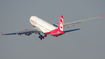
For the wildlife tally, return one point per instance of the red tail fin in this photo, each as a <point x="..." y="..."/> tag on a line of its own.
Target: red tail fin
<point x="60" y="25"/>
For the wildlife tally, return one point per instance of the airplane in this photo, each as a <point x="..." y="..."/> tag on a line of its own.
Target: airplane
<point x="41" y="26"/>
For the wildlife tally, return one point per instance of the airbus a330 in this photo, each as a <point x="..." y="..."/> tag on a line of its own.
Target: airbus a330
<point x="41" y="26"/>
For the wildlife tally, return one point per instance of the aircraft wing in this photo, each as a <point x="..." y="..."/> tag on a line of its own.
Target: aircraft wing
<point x="78" y="22"/>
<point x="26" y="32"/>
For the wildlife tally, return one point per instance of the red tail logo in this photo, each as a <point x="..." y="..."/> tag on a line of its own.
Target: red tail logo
<point x="60" y="25"/>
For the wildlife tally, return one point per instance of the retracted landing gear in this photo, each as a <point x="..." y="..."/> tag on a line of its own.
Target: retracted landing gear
<point x="41" y="37"/>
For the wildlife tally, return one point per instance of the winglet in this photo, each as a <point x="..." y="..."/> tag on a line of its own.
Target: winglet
<point x="101" y="15"/>
<point x="1" y="33"/>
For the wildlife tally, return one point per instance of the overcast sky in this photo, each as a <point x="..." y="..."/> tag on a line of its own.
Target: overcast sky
<point x="87" y="43"/>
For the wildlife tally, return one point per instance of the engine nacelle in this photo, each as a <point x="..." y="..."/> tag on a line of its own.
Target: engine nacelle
<point x="28" y="34"/>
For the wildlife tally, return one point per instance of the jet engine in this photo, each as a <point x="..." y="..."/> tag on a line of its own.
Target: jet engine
<point x="28" y="34"/>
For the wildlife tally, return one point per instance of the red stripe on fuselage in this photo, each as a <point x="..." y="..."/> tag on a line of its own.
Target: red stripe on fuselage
<point x="55" y="32"/>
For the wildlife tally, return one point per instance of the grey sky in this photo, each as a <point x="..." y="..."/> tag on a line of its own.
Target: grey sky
<point x="87" y="43"/>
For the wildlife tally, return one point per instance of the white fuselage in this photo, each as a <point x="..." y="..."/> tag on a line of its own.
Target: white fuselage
<point x="41" y="24"/>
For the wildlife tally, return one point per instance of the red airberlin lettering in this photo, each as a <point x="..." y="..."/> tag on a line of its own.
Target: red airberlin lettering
<point x="33" y="22"/>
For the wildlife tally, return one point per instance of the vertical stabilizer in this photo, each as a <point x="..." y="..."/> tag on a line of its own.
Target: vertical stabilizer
<point x="60" y="25"/>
